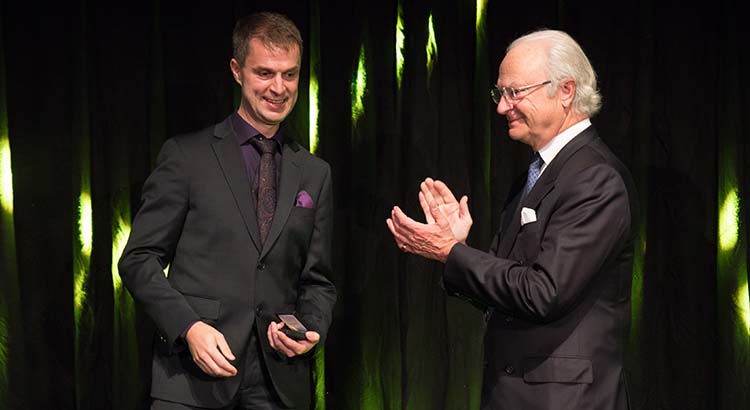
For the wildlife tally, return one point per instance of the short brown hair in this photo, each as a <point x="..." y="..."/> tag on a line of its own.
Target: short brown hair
<point x="273" y="29"/>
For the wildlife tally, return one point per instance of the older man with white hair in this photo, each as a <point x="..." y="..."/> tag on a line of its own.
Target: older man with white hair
<point x="556" y="281"/>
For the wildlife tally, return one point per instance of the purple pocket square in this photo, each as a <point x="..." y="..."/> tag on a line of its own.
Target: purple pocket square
<point x="303" y="200"/>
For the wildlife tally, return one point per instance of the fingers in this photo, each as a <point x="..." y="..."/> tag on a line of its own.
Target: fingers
<point x="219" y="364"/>
<point x="428" y="191"/>
<point x="399" y="221"/>
<point x="394" y="231"/>
<point x="463" y="207"/>
<point x="208" y="348"/>
<point x="436" y="211"/>
<point x="424" y="202"/>
<point x="440" y="218"/>
<point x="397" y="235"/>
<point x="288" y="347"/>
<point x="428" y="186"/>
<point x="224" y="348"/>
<point x="464" y="213"/>
<point x="312" y="337"/>
<point x="400" y="218"/>
<point x="275" y="339"/>
<point x="272" y="328"/>
<point x="407" y="232"/>
<point x="403" y="226"/>
<point x="440" y="190"/>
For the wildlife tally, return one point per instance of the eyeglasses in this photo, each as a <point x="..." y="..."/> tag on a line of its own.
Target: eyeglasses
<point x="512" y="94"/>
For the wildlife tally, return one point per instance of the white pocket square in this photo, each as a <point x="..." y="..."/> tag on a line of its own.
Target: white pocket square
<point x="528" y="215"/>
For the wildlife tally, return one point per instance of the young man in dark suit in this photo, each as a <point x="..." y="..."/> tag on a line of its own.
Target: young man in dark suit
<point x="556" y="281"/>
<point x="243" y="217"/>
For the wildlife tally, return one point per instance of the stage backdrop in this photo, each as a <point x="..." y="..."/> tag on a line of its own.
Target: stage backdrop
<point x="391" y="92"/>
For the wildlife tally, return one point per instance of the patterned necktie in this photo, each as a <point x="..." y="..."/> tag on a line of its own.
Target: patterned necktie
<point x="266" y="184"/>
<point x="535" y="168"/>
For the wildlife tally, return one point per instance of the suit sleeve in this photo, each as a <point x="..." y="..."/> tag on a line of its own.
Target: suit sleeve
<point x="317" y="293"/>
<point x="153" y="238"/>
<point x="589" y="225"/>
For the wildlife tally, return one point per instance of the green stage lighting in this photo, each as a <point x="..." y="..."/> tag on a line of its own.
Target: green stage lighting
<point x="313" y="112"/>
<point x="359" y="87"/>
<point x="729" y="221"/>
<point x="431" y="49"/>
<point x="743" y="305"/>
<point x="481" y="6"/>
<point x="400" y="45"/>
<point x="6" y="175"/>
<point x="120" y="234"/>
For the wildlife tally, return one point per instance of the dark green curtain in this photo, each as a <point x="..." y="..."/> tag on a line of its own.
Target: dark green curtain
<point x="89" y="91"/>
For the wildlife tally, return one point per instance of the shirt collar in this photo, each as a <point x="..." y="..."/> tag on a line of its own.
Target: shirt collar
<point x="243" y="131"/>
<point x="550" y="150"/>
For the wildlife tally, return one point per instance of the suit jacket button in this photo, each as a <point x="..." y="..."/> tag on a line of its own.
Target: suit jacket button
<point x="509" y="369"/>
<point x="261" y="266"/>
<point x="487" y="315"/>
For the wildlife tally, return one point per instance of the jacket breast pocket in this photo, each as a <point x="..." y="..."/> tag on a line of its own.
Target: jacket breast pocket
<point x="300" y="212"/>
<point x="300" y="224"/>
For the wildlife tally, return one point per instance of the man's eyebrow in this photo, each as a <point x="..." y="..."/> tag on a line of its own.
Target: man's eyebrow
<point x="263" y="68"/>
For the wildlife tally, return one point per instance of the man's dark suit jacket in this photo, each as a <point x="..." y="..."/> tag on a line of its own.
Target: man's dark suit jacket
<point x="198" y="217"/>
<point x="557" y="289"/>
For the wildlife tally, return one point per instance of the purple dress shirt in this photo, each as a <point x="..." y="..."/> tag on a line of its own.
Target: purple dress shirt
<point x="244" y="132"/>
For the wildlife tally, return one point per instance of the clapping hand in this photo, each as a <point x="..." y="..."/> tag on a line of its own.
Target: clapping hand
<point x="437" y="199"/>
<point x="448" y="222"/>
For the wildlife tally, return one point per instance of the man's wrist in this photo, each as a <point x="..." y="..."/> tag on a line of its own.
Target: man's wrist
<point x="447" y="250"/>
<point x="183" y="335"/>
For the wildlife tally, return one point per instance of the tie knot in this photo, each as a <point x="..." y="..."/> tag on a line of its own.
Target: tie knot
<point x="265" y="145"/>
<point x="536" y="162"/>
<point x="534" y="170"/>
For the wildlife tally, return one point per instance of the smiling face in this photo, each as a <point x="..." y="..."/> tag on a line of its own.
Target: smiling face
<point x="269" y="79"/>
<point x="534" y="117"/>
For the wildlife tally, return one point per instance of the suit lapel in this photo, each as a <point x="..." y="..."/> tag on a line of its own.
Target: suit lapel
<point x="542" y="187"/>
<point x="288" y="187"/>
<point x="230" y="159"/>
<point x="509" y="210"/>
<point x="540" y="190"/>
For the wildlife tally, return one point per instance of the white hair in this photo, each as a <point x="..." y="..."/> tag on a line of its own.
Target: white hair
<point x="566" y="59"/>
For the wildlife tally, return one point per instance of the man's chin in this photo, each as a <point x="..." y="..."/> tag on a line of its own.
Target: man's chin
<point x="516" y="134"/>
<point x="274" y="117"/>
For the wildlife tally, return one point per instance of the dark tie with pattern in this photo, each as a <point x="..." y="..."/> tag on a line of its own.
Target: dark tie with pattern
<point x="535" y="169"/>
<point x="266" y="184"/>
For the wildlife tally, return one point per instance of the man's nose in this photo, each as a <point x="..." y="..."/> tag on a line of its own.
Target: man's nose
<point x="277" y="85"/>
<point x="504" y="106"/>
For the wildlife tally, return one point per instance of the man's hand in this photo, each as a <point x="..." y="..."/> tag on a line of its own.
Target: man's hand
<point x="436" y="198"/>
<point x="288" y="347"/>
<point x="433" y="240"/>
<point x="210" y="350"/>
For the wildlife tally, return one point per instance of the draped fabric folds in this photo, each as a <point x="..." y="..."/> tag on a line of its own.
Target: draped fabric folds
<point x="90" y="90"/>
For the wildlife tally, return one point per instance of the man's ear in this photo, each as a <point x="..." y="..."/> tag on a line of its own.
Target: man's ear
<point x="567" y="92"/>
<point x="236" y="71"/>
